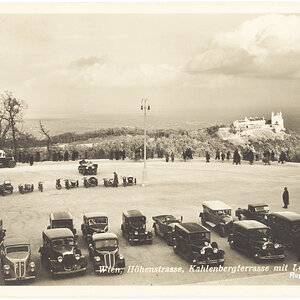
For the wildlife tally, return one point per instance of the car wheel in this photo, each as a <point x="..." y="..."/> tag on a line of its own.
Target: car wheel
<point x="175" y="249"/>
<point x="169" y="240"/>
<point x="256" y="258"/>
<point x="214" y="245"/>
<point x="232" y="244"/>
<point x="53" y="275"/>
<point x="131" y="242"/>
<point x="150" y="242"/>
<point x="221" y="231"/>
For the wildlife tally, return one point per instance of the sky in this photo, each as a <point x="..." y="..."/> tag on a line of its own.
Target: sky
<point x="210" y="64"/>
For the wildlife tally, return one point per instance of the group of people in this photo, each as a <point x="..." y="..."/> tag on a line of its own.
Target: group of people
<point x="168" y="157"/>
<point x="187" y="154"/>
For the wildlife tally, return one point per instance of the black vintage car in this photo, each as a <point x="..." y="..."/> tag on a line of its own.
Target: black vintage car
<point x="2" y="232"/>
<point x="128" y="180"/>
<point x="164" y="225"/>
<point x="6" y="188"/>
<point x="192" y="242"/>
<point x="105" y="255"/>
<point x="255" y="211"/>
<point x="94" y="222"/>
<point x="87" y="167"/>
<point x="60" y="253"/>
<point x="90" y="182"/>
<point x="62" y="219"/>
<point x="134" y="227"/>
<point x="285" y="226"/>
<point x="217" y="215"/>
<point x="26" y="188"/>
<point x="15" y="259"/>
<point x="255" y="240"/>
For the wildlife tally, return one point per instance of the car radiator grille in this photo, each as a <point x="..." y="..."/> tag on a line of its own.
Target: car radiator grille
<point x="68" y="261"/>
<point x="110" y="260"/>
<point x="20" y="269"/>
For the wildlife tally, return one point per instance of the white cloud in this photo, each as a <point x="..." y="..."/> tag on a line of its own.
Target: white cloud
<point x="267" y="46"/>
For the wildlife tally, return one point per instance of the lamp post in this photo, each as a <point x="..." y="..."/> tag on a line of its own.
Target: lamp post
<point x="145" y="106"/>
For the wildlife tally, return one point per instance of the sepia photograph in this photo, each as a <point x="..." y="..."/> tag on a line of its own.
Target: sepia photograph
<point x="152" y="145"/>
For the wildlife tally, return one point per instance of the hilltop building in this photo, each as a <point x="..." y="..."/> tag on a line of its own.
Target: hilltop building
<point x="276" y="123"/>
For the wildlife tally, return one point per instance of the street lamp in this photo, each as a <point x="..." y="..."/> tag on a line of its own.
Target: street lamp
<point x="145" y="106"/>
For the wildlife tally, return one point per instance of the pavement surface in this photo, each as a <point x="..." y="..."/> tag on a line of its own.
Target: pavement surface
<point x="176" y="188"/>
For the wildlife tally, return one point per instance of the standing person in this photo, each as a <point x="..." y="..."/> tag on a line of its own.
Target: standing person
<point x="116" y="180"/>
<point x="286" y="198"/>
<point x="172" y="157"/>
<point x="207" y="156"/>
<point x="228" y="155"/>
<point x="167" y="157"/>
<point x="31" y="159"/>
<point x="251" y="157"/>
<point x="223" y="156"/>
<point x="217" y="154"/>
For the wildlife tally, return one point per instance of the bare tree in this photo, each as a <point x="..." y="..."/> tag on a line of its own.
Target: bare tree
<point x="13" y="109"/>
<point x="48" y="137"/>
<point x="4" y="125"/>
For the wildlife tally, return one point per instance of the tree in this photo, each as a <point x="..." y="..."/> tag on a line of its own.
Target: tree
<point x="13" y="109"/>
<point x="4" y="125"/>
<point x="48" y="137"/>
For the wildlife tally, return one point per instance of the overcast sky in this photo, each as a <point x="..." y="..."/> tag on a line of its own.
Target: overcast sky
<point x="67" y="64"/>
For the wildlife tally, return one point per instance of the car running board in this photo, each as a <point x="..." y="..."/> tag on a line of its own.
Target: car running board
<point x="210" y="224"/>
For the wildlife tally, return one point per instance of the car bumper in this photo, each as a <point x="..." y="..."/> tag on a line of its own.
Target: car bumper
<point x="211" y="262"/>
<point x="13" y="279"/>
<point x="140" y="239"/>
<point x="64" y="272"/>
<point x="272" y="257"/>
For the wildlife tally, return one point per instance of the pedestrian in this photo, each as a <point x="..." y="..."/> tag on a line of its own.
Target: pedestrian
<point x="31" y="159"/>
<point x="172" y="157"/>
<point x="223" y="156"/>
<point x="217" y="154"/>
<point x="116" y="180"/>
<point x="167" y="157"/>
<point x="251" y="157"/>
<point x="228" y="155"/>
<point x="285" y="198"/>
<point x="207" y="156"/>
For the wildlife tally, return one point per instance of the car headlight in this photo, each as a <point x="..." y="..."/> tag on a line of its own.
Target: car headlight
<point x="215" y="250"/>
<point x="276" y="246"/>
<point x="121" y="257"/>
<point x="146" y="232"/>
<point x="77" y="256"/>
<point x="202" y="251"/>
<point x="60" y="259"/>
<point x="97" y="258"/>
<point x="206" y="243"/>
<point x="6" y="268"/>
<point x="264" y="247"/>
<point x="194" y="261"/>
<point x="136" y="232"/>
<point x="32" y="265"/>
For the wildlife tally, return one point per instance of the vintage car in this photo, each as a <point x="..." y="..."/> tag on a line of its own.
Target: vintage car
<point x="256" y="211"/>
<point x="2" y="232"/>
<point x="87" y="167"/>
<point x="94" y="222"/>
<point x="16" y="263"/>
<point x="90" y="182"/>
<point x="71" y="183"/>
<point x="60" y="253"/>
<point x="62" y="219"/>
<point x="128" y="180"/>
<point x="6" y="188"/>
<point x="255" y="240"/>
<point x="105" y="255"/>
<point x="217" y="215"/>
<point x="26" y="188"/>
<point x="285" y="227"/>
<point x="192" y="242"/>
<point x="108" y="182"/>
<point x="134" y="227"/>
<point x="163" y="226"/>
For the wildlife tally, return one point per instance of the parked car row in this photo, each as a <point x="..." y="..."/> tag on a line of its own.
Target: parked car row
<point x="7" y="188"/>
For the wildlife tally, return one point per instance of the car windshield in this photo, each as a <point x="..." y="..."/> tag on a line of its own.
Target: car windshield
<point x="13" y="249"/>
<point x="224" y="212"/>
<point x="259" y="234"/>
<point x="170" y="219"/>
<point x="109" y="244"/>
<point x="262" y="208"/>
<point x="137" y="220"/>
<point x="62" y="223"/>
<point x="6" y="182"/>
<point x="59" y="243"/>
<point x="97" y="220"/>
<point x="200" y="236"/>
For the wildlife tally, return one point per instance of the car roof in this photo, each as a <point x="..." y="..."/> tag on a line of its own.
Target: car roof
<point x="250" y="224"/>
<point x="95" y="214"/>
<point x="258" y="204"/>
<point x="12" y="241"/>
<point x="288" y="215"/>
<point x="61" y="215"/>
<point x="192" y="227"/>
<point x="58" y="233"/>
<point x="133" y="213"/>
<point x="163" y="217"/>
<point x="216" y="205"/>
<point x="104" y="236"/>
